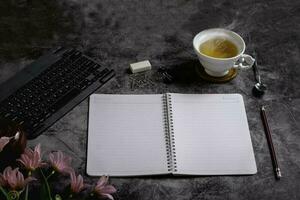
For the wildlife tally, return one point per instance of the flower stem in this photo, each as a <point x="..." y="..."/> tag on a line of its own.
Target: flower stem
<point x="3" y="192"/>
<point x="27" y="187"/>
<point x="26" y="193"/>
<point x="53" y="172"/>
<point x="47" y="184"/>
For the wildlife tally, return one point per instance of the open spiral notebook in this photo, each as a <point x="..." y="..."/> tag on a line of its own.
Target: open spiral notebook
<point x="180" y="134"/>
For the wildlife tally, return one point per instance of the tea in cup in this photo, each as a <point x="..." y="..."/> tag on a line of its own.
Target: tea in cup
<point x="219" y="50"/>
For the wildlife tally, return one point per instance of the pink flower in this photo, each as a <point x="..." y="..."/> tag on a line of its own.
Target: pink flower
<point x="32" y="159"/>
<point x="14" y="179"/>
<point x="103" y="189"/>
<point x="3" y="142"/>
<point x="60" y="162"/>
<point x="76" y="183"/>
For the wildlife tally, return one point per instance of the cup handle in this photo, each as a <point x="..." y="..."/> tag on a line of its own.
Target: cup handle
<point x="244" y="62"/>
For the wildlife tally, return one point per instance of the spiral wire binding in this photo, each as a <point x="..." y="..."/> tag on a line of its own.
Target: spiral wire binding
<point x="170" y="138"/>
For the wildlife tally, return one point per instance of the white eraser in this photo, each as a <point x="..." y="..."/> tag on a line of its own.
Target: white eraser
<point x="140" y="66"/>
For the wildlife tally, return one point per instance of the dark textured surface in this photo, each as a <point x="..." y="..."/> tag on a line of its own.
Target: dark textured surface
<point x="120" y="32"/>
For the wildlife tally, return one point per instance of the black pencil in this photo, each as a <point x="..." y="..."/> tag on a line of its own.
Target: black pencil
<point x="270" y="143"/>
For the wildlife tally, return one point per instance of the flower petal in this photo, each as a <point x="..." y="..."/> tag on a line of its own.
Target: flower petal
<point x="102" y="181"/>
<point x="3" y="142"/>
<point x="29" y="179"/>
<point x="108" y="196"/>
<point x="72" y="176"/>
<point x="31" y="159"/>
<point x="6" y="172"/>
<point x="38" y="149"/>
<point x="80" y="184"/>
<point x="109" y="189"/>
<point x="60" y="162"/>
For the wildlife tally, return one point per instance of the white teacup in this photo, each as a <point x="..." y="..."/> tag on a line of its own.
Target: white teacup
<point x="219" y="67"/>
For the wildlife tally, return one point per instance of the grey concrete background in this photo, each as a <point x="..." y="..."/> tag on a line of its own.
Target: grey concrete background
<point x="119" y="32"/>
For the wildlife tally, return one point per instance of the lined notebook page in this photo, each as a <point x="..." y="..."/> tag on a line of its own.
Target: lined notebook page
<point x="212" y="135"/>
<point x="126" y="135"/>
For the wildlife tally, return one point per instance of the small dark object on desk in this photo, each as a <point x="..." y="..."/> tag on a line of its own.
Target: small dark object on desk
<point x="166" y="76"/>
<point x="259" y="88"/>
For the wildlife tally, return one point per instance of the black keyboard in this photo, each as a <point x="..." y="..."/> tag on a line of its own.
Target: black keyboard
<point x="47" y="89"/>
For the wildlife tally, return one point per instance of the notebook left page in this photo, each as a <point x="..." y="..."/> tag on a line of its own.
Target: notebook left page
<point x="126" y="135"/>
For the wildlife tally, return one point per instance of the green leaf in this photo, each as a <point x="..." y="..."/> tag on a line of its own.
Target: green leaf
<point x="3" y="192"/>
<point x="46" y="186"/>
<point x="44" y="192"/>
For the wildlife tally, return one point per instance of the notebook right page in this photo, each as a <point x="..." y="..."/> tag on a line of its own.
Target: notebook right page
<point x="212" y="135"/>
